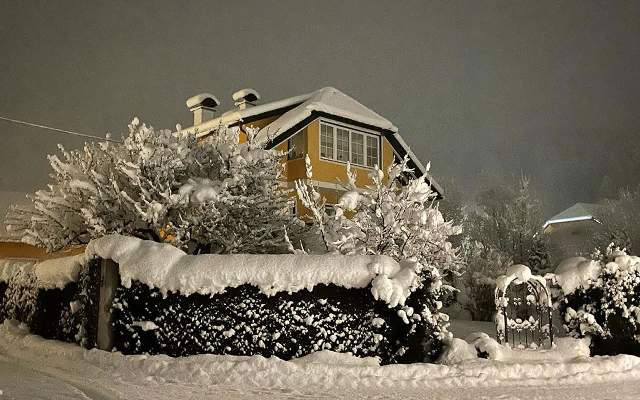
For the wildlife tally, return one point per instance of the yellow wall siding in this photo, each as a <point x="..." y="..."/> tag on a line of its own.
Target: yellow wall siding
<point x="387" y="155"/>
<point x="259" y="124"/>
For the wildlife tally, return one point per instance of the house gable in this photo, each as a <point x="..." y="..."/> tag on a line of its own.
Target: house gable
<point x="279" y="121"/>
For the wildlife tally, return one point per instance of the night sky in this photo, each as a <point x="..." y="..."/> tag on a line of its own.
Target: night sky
<point x="548" y="89"/>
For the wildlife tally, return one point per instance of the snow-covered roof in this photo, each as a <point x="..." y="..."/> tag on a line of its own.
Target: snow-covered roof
<point x="327" y="100"/>
<point x="577" y="212"/>
<point x="296" y="110"/>
<point x="330" y="101"/>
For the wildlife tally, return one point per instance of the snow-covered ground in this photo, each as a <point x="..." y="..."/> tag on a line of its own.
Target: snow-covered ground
<point x="34" y="368"/>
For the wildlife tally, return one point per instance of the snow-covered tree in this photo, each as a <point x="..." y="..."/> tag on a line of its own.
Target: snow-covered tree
<point x="212" y="195"/>
<point x="478" y="283"/>
<point x="510" y="220"/>
<point x="398" y="217"/>
<point x="619" y="219"/>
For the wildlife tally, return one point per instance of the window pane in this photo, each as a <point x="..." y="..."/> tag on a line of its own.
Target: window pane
<point x="342" y="145"/>
<point x="372" y="151"/>
<point x="326" y="141"/>
<point x="297" y="146"/>
<point x="357" y="148"/>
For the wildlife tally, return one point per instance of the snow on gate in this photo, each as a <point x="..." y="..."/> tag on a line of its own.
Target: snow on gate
<point x="524" y="310"/>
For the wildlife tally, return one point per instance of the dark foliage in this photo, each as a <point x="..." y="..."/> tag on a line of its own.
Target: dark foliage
<point x="243" y="321"/>
<point x="614" y="329"/>
<point x="48" y="312"/>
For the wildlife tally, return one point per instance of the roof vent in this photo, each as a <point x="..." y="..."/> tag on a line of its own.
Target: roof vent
<point x="244" y="98"/>
<point x="203" y="106"/>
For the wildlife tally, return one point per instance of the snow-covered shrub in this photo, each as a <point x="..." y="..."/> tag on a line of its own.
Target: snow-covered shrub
<point x="50" y="299"/>
<point x="477" y="284"/>
<point x="245" y="321"/>
<point x="214" y="195"/>
<point x="20" y="295"/>
<point x="602" y="300"/>
<point x="40" y="308"/>
<point x="395" y="216"/>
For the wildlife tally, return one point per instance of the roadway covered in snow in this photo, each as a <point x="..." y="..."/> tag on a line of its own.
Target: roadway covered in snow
<point x="34" y="368"/>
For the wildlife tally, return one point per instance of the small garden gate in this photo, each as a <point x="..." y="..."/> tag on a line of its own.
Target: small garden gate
<point x="524" y="312"/>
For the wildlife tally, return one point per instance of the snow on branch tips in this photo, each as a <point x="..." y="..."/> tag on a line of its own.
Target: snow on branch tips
<point x="395" y="215"/>
<point x="215" y="195"/>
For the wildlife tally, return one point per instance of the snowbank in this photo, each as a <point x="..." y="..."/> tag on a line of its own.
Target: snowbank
<point x="456" y="351"/>
<point x="169" y="269"/>
<point x="564" y="349"/>
<point x="332" y="358"/>
<point x="55" y="273"/>
<point x="248" y="377"/>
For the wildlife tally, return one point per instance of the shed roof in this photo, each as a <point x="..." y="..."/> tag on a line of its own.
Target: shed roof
<point x="577" y="212"/>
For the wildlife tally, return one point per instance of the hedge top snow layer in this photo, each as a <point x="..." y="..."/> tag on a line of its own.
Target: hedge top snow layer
<point x="579" y="273"/>
<point x="49" y="274"/>
<point x="169" y="269"/>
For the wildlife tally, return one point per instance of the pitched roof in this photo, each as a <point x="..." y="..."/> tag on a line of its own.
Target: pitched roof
<point x="330" y="101"/>
<point x="298" y="111"/>
<point x="577" y="212"/>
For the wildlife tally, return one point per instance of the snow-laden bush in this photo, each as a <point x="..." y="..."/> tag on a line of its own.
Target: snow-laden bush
<point x="478" y="283"/>
<point x="602" y="300"/>
<point x="46" y="309"/>
<point x="394" y="216"/>
<point x="214" y="195"/>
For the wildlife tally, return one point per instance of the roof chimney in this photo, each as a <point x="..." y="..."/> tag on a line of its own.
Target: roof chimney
<point x="244" y="98"/>
<point x="203" y="106"/>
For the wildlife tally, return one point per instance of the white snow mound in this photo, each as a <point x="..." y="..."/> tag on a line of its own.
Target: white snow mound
<point x="576" y="272"/>
<point x="49" y="274"/>
<point x="171" y="270"/>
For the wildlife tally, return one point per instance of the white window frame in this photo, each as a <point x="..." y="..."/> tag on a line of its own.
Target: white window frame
<point x="350" y="129"/>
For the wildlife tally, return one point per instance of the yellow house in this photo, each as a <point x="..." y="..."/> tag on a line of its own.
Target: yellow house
<point x="328" y="125"/>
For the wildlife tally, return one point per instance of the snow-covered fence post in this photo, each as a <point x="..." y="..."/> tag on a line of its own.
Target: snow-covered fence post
<point x="109" y="279"/>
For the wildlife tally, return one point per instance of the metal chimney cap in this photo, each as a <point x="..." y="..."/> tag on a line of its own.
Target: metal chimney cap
<point x="248" y="95"/>
<point x="206" y="100"/>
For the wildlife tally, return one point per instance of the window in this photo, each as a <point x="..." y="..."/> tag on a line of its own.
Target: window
<point x="372" y="151"/>
<point x="357" y="148"/>
<point x="297" y="144"/>
<point x="326" y="141"/>
<point x="343" y="144"/>
<point x="330" y="210"/>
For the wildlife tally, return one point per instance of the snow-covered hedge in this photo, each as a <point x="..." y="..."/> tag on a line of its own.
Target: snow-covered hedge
<point x="48" y="297"/>
<point x="173" y="303"/>
<point x="287" y="305"/>
<point x="245" y="321"/>
<point x="602" y="301"/>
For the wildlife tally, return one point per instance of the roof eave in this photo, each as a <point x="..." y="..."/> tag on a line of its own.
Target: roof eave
<point x="397" y="143"/>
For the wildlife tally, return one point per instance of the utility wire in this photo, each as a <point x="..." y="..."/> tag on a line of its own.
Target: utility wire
<point x="16" y="121"/>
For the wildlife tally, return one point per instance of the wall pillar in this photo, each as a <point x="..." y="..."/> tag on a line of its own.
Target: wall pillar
<point x="109" y="281"/>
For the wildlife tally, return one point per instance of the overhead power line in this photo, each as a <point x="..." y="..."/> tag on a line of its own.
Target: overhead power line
<point x="63" y="131"/>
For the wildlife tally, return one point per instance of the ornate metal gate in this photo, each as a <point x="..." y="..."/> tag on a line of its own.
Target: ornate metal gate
<point x="524" y="318"/>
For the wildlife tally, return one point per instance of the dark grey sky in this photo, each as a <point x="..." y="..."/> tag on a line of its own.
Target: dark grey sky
<point x="548" y="88"/>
